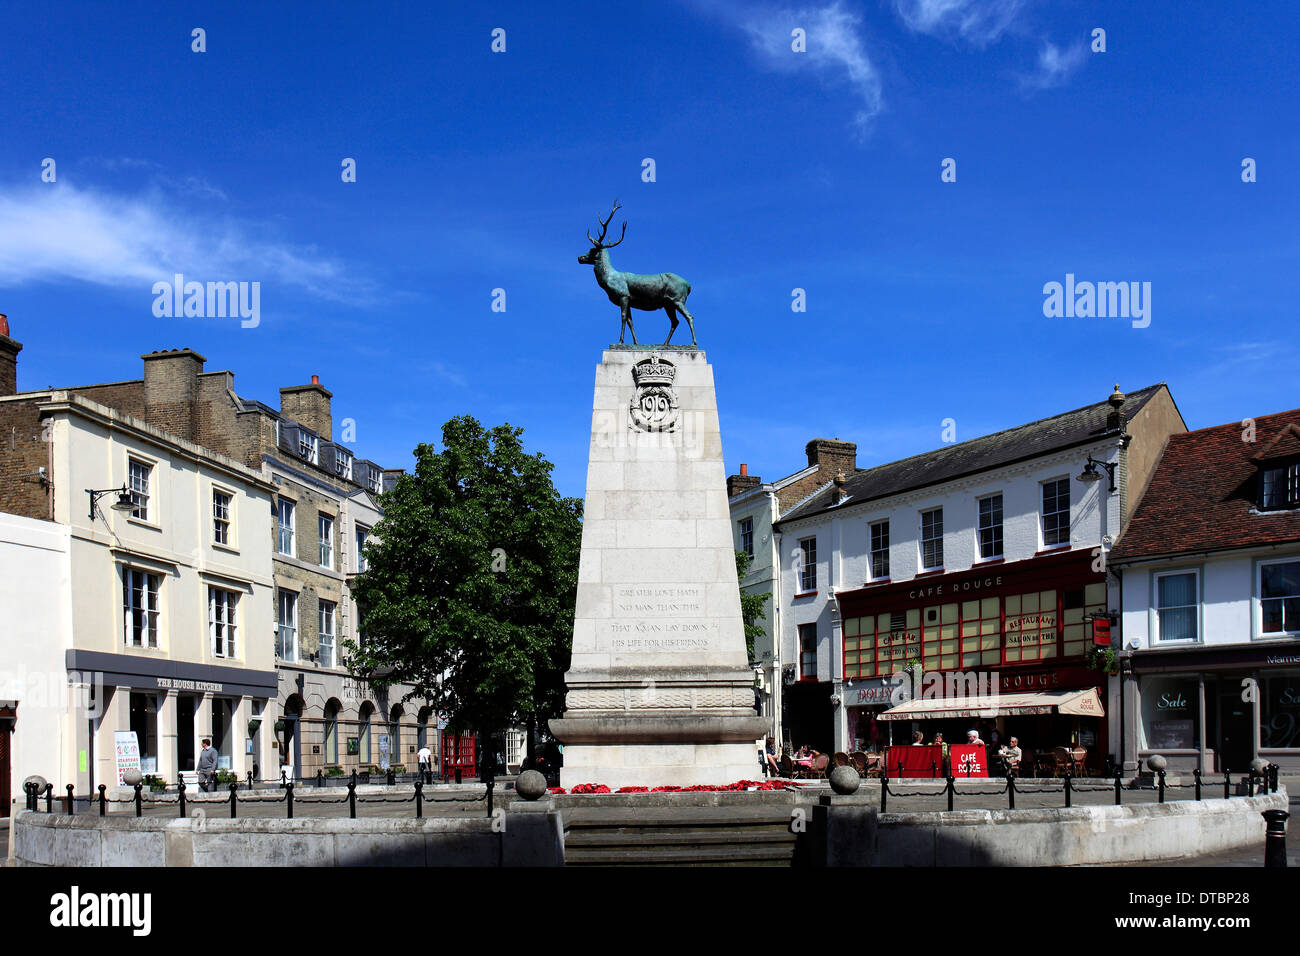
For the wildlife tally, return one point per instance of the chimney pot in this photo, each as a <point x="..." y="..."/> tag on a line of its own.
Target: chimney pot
<point x="744" y="468"/>
<point x="4" y="324"/>
<point x="315" y="379"/>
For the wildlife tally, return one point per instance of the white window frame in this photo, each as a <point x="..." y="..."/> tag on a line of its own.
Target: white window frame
<point x="281" y="514"/>
<point x="1158" y="638"/>
<point x="873" y="551"/>
<point x="286" y="624"/>
<point x="342" y="464"/>
<point x="223" y="622"/>
<point x="375" y="479"/>
<point x="223" y="525"/>
<point x="328" y="614"/>
<point x="308" y="446"/>
<point x="1259" y="599"/>
<point x="936" y="540"/>
<point x="139" y="489"/>
<point x="360" y="537"/>
<point x="811" y="628"/>
<point x="151" y="608"/>
<point x="746" y="530"/>
<point x="1288" y="486"/>
<point x="1043" y="513"/>
<point x="807" y="568"/>
<point x="325" y="532"/>
<point x="1000" y="527"/>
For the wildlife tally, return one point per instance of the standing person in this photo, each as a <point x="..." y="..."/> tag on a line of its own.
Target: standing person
<point x="425" y="759"/>
<point x="207" y="767"/>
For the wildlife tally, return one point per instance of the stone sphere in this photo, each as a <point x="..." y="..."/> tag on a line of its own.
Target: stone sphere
<point x="37" y="779"/>
<point x="530" y="785"/>
<point x="132" y="777"/>
<point x="845" y="780"/>
<point x="1259" y="765"/>
<point x="1156" y="763"/>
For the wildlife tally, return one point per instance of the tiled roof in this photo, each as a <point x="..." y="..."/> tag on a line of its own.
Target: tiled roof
<point x="1077" y="427"/>
<point x="1204" y="494"/>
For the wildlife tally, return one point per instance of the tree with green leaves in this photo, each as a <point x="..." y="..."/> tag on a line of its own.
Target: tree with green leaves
<point x="752" y="606"/>
<point x="470" y="584"/>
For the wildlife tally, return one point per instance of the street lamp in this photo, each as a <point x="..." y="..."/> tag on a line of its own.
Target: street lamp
<point x="123" y="504"/>
<point x="1090" y="474"/>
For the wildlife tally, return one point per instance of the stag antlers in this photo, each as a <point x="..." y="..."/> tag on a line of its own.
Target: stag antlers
<point x="604" y="227"/>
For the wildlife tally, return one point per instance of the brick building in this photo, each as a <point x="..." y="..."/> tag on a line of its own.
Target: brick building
<point x="323" y="505"/>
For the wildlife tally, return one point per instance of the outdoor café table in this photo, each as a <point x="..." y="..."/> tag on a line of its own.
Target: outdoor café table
<point x="923" y="761"/>
<point x="968" y="760"/>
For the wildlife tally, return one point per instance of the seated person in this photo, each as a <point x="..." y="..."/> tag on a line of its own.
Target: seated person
<point x="770" y="755"/>
<point x="938" y="742"/>
<point x="1011" y="754"/>
<point x="918" y="739"/>
<point x="973" y="739"/>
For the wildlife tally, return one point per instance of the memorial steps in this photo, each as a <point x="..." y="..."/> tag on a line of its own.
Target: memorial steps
<point x="686" y="836"/>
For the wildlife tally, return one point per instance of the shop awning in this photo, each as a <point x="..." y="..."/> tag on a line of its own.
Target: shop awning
<point x="1084" y="703"/>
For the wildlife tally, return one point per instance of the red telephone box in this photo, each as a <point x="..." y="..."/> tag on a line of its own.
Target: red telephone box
<point x="456" y="752"/>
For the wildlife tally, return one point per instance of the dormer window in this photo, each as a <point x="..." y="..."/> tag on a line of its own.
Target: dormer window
<point x="343" y="464"/>
<point x="1279" y="485"/>
<point x="309" y="447"/>
<point x="374" y="479"/>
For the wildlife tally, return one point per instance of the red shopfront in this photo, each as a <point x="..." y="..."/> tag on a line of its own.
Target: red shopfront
<point x="1025" y="626"/>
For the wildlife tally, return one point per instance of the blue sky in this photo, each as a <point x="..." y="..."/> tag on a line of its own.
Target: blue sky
<point x="774" y="170"/>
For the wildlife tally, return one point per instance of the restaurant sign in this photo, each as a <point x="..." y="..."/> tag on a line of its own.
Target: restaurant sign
<point x="878" y="691"/>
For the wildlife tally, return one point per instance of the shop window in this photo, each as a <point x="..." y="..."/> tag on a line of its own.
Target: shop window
<point x="1170" y="713"/>
<point x="144" y="723"/>
<point x="1279" y="710"/>
<point x="990" y="527"/>
<point x="1279" y="597"/>
<point x="1176" y="606"/>
<point x="932" y="539"/>
<point x="332" y="733"/>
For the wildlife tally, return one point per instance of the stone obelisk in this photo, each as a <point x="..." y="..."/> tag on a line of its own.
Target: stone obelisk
<point x="659" y="689"/>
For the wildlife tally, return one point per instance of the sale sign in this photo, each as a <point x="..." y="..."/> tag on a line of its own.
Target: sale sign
<point x="968" y="761"/>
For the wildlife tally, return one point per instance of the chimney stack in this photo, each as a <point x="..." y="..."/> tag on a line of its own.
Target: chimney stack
<point x="171" y="390"/>
<point x="9" y="350"/>
<point x="739" y="484"/>
<point x="309" y="406"/>
<point x="832" y="455"/>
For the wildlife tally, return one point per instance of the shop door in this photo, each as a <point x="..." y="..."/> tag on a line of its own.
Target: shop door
<point x="1236" y="746"/>
<point x="185" y="732"/>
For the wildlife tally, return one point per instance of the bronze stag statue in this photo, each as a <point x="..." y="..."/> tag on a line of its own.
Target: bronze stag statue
<point x="628" y="290"/>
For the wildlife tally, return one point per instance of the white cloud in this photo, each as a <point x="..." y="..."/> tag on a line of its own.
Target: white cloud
<point x="1055" y="66"/>
<point x="978" y="22"/>
<point x="835" y="49"/>
<point x="57" y="231"/>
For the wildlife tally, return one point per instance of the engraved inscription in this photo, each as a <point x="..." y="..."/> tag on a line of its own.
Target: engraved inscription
<point x="640" y="600"/>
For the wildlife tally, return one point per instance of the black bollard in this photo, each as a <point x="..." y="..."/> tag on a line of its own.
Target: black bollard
<point x="1273" y="769"/>
<point x="1069" y="792"/>
<point x="1162" y="786"/>
<point x="250" y="780"/>
<point x="934" y="769"/>
<point x="288" y="800"/>
<point x="352" y="797"/>
<point x="180" y="795"/>
<point x="458" y="774"/>
<point x="419" y="799"/>
<point x="1250" y="784"/>
<point x="71" y="808"/>
<point x="354" y="776"/>
<point x="234" y="801"/>
<point x="884" y="790"/>
<point x="30" y="790"/>
<point x="1227" y="794"/>
<point x="103" y="804"/>
<point x="1011" y="790"/>
<point x="1196" y="774"/>
<point x="1119" y="787"/>
<point x="392" y="778"/>
<point x="49" y="798"/>
<point x="320" y="778"/>
<point x="284" y="777"/>
<point x="139" y="808"/>
<point x="951" y="791"/>
<point x="1275" y="838"/>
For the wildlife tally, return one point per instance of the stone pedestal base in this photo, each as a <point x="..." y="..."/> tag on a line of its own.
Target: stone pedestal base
<point x="658" y="751"/>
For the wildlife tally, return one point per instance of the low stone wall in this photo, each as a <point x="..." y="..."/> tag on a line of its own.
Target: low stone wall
<point x="529" y="836"/>
<point x="854" y="833"/>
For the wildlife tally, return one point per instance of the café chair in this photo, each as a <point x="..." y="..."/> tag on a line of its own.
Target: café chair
<point x="859" y="761"/>
<point x="787" y="766"/>
<point x="841" y="758"/>
<point x="819" y="765"/>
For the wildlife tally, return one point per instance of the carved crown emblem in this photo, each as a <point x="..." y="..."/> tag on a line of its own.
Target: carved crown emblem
<point x="654" y="371"/>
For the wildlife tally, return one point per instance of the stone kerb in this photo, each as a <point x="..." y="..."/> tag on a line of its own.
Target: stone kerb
<point x="857" y="834"/>
<point x="532" y="838"/>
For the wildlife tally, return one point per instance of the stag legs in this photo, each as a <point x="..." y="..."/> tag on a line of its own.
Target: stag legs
<point x="672" y="309"/>
<point x="626" y="308"/>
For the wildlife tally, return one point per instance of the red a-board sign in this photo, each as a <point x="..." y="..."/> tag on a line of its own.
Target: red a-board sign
<point x="968" y="760"/>
<point x="1100" y="630"/>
